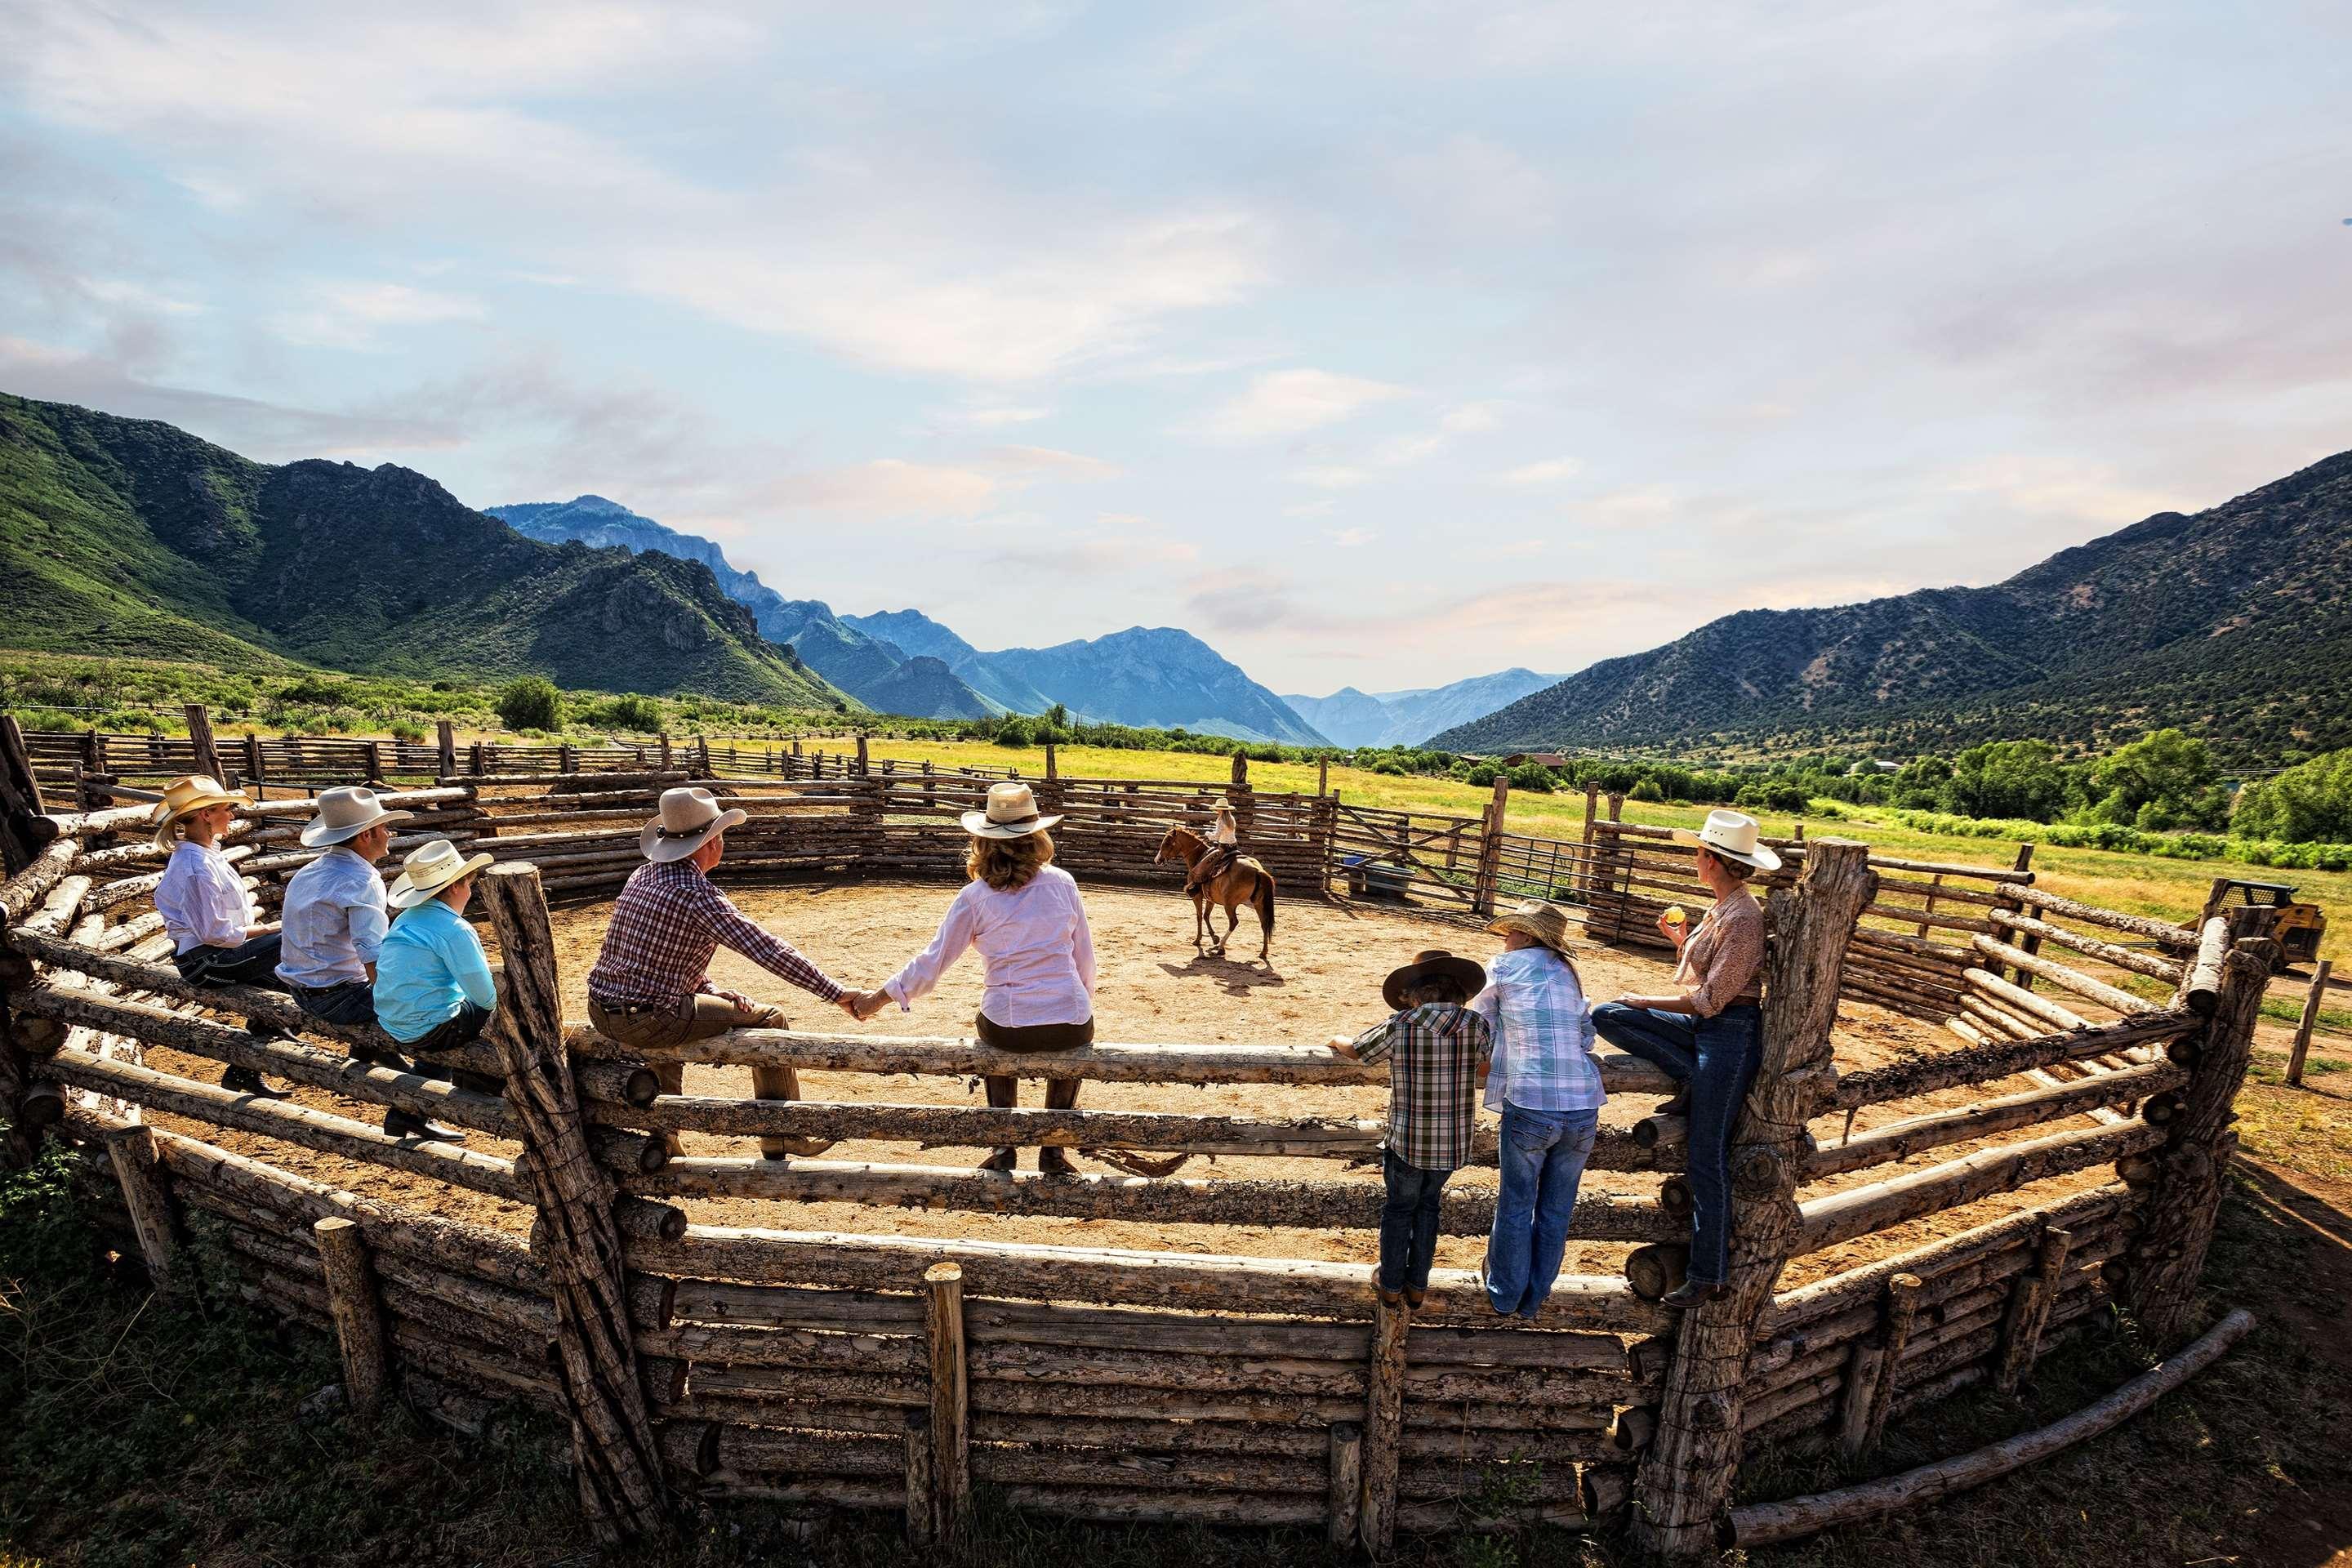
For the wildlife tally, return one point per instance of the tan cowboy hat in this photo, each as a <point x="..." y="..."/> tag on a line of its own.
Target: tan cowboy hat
<point x="1548" y="923"/>
<point x="1732" y="835"/>
<point x="1435" y="962"/>
<point x="192" y="793"/>
<point x="1012" y="814"/>
<point x="429" y="868"/>
<point x="345" y="813"/>
<point x="689" y="819"/>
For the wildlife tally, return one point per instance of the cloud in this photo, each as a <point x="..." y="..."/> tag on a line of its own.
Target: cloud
<point x="119" y="291"/>
<point x="268" y="432"/>
<point x="883" y="488"/>
<point x="1551" y="471"/>
<point x="991" y="418"/>
<point x="1047" y="460"/>
<point x="1119" y="543"/>
<point x="351" y="315"/>
<point x="1243" y="600"/>
<point x="1349" y="537"/>
<point x="1311" y="507"/>
<point x="1291" y="402"/>
<point x="1464" y="418"/>
<point x="1329" y="476"/>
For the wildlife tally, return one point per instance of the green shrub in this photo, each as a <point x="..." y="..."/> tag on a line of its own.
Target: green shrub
<point x="1532" y="776"/>
<point x="1647" y="791"/>
<point x="407" y="730"/>
<point x="529" y="702"/>
<point x="2311" y="801"/>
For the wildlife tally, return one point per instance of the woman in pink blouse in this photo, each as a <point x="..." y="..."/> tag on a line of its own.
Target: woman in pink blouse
<point x="1025" y="915"/>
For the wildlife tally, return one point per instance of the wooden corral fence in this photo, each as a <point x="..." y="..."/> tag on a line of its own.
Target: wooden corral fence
<point x="876" y="1370"/>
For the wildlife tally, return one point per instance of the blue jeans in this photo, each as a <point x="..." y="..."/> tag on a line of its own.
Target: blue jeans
<point x="1542" y="1156"/>
<point x="1408" y="1224"/>
<point x="1717" y="1057"/>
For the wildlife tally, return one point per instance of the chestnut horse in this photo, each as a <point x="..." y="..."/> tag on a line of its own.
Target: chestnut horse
<point x="1243" y="881"/>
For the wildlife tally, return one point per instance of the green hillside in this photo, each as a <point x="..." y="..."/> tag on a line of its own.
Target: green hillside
<point x="2233" y="624"/>
<point x="120" y="536"/>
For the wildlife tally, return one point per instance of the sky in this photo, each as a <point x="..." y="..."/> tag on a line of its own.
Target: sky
<point x="1378" y="344"/>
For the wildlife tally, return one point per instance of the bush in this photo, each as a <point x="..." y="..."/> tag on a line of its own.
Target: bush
<point x="641" y="715"/>
<point x="1648" y="792"/>
<point x="407" y="730"/>
<point x="1534" y="777"/>
<point x="529" y="702"/>
<point x="2310" y="802"/>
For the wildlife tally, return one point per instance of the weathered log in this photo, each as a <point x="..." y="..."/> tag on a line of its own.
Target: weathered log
<point x="138" y="1167"/>
<point x="2029" y="1311"/>
<point x="2178" y="938"/>
<point x="2027" y="1004"/>
<point x="21" y="894"/>
<point x="1900" y="1140"/>
<point x="1103" y="1062"/>
<point x="1344" y="1494"/>
<point x="2200" y="988"/>
<point x="1318" y="1205"/>
<point x="290" y="1060"/>
<point x="286" y="1120"/>
<point x="494" y="1255"/>
<point x="618" y="1461"/>
<point x="1305" y="1288"/>
<point x="2065" y="978"/>
<point x="530" y="1314"/>
<point x="1685" y="1476"/>
<point x="945" y="1354"/>
<point x="1383" y="1422"/>
<point x="1761" y="1524"/>
<point x="1951" y="1069"/>
<point x="350" y="1297"/>
<point x="2197" y="1142"/>
<point x="1860" y="1211"/>
<point x="921" y="1482"/>
<point x="1654" y="1270"/>
<point x="2136" y="959"/>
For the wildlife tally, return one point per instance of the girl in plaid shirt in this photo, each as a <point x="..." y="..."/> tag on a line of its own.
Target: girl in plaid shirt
<point x="1435" y="1048"/>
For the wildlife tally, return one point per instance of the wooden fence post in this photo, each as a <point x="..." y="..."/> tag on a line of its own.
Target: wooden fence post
<point x="861" y="754"/>
<point x="617" y="1458"/>
<point x="1685" y="1481"/>
<point x="567" y="757"/>
<point x="138" y="1166"/>
<point x="664" y="751"/>
<point x="1345" y="1492"/>
<point x="1053" y="767"/>
<point x="1583" y="879"/>
<point x="199" y="735"/>
<point x="445" y="738"/>
<point x="1490" y="848"/>
<point x="919" y="1481"/>
<point x="1323" y="774"/>
<point x="352" y="1302"/>
<point x="1383" y="1428"/>
<point x="2294" y="1059"/>
<point x="2161" y="1279"/>
<point x="376" y="772"/>
<point x="2029" y="1310"/>
<point x="950" y="1412"/>
<point x="20" y="798"/>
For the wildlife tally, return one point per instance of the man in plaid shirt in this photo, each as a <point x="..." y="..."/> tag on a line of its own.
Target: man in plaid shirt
<point x="1434" y="1047"/>
<point x="651" y="986"/>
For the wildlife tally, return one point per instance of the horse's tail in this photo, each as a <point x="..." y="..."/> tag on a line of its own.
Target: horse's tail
<point x="1262" y="900"/>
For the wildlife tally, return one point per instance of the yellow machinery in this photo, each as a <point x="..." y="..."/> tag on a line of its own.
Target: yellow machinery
<point x="2300" y="924"/>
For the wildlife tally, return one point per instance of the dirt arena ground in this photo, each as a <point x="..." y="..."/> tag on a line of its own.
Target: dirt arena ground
<point x="1324" y="978"/>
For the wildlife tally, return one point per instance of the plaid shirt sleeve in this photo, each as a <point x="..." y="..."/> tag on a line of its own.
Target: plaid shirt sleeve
<point x="1377" y="1041"/>
<point x="727" y="926"/>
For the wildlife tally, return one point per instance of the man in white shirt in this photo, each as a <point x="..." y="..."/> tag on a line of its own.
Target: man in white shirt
<point x="335" y="913"/>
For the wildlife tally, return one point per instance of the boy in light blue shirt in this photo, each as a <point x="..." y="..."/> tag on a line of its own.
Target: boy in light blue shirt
<point x="1547" y="1084"/>
<point x="434" y="990"/>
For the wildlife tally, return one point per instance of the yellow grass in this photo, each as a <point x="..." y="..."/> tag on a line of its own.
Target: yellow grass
<point x="2136" y="884"/>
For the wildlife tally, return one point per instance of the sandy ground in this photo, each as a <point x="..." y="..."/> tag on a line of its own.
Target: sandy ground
<point x="1324" y="978"/>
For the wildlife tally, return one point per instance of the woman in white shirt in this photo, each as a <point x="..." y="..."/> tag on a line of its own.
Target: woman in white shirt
<point x="216" y="933"/>
<point x="1026" y="917"/>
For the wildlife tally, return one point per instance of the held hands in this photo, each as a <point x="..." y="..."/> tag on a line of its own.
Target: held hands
<point x="863" y="1005"/>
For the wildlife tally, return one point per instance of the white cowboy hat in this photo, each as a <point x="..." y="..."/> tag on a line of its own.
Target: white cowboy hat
<point x="689" y="819"/>
<point x="429" y="868"/>
<point x="345" y="813"/>
<point x="1012" y="814"/>
<point x="191" y="793"/>
<point x="1732" y="835"/>
<point x="1548" y="923"/>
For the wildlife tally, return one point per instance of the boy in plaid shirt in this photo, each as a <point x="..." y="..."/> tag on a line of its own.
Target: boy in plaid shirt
<point x="1435" y="1048"/>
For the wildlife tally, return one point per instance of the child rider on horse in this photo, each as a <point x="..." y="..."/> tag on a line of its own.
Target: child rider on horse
<point x="1225" y="848"/>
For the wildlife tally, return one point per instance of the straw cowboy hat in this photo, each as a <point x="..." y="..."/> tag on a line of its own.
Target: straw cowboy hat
<point x="1545" y="922"/>
<point x="1012" y="814"/>
<point x="191" y="794"/>
<point x="1732" y="835"/>
<point x="430" y="867"/>
<point x="1434" y="963"/>
<point x="345" y="813"/>
<point x="689" y="819"/>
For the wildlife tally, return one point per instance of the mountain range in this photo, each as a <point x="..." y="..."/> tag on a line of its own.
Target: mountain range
<point x="2235" y="624"/>
<point x="1353" y="717"/>
<point x="904" y="662"/>
<point x="130" y="536"/>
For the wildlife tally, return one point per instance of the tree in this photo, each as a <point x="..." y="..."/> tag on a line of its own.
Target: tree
<point x="2310" y="803"/>
<point x="2008" y="778"/>
<point x="529" y="702"/>
<point x="2160" y="781"/>
<point x="1532" y="776"/>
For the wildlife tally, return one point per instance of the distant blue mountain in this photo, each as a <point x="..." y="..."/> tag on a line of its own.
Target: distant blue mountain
<point x="1353" y="717"/>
